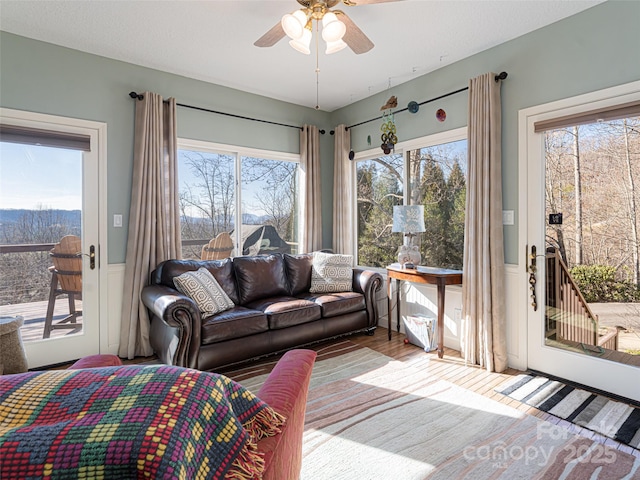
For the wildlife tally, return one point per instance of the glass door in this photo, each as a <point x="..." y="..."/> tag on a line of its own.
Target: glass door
<point x="582" y="252"/>
<point x="49" y="240"/>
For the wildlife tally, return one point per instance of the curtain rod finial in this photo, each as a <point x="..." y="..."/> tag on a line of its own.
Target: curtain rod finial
<point x="501" y="76"/>
<point x="136" y="95"/>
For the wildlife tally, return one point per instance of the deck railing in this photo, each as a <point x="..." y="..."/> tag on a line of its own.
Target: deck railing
<point x="568" y="314"/>
<point x="25" y="277"/>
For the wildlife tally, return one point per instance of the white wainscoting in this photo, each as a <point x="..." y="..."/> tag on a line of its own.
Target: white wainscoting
<point x="419" y="299"/>
<point x="112" y="311"/>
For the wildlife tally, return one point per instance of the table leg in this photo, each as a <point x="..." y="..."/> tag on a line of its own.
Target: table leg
<point x="441" y="290"/>
<point x="389" y="280"/>
<point x="398" y="283"/>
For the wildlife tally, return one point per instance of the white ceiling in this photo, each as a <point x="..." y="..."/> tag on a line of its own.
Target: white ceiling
<point x="213" y="40"/>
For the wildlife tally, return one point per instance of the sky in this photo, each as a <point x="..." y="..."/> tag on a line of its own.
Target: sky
<point x="34" y="177"/>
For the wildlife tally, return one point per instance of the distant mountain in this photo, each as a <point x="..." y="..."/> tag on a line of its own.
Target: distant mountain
<point x="74" y="217"/>
<point x="247" y="219"/>
<point x="70" y="217"/>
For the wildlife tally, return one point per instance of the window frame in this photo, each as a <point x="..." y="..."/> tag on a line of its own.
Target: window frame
<point x="402" y="148"/>
<point x="237" y="153"/>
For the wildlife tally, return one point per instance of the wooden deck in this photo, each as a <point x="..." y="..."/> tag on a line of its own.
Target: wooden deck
<point x="34" y="314"/>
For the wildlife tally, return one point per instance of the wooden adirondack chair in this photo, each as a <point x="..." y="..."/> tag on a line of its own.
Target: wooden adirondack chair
<point x="218" y="248"/>
<point x="66" y="278"/>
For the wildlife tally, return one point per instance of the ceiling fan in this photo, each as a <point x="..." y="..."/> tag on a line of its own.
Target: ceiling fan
<point x="338" y="30"/>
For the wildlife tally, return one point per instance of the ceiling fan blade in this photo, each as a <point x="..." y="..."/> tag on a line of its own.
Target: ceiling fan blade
<point x="354" y="38"/>
<point x="272" y="37"/>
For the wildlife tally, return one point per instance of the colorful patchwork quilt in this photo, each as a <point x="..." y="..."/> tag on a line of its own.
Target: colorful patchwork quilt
<point x="128" y="422"/>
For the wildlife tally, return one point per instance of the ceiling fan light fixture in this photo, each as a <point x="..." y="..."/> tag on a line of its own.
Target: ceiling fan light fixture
<point x="333" y="47"/>
<point x="332" y="28"/>
<point x="293" y="24"/>
<point x="302" y="44"/>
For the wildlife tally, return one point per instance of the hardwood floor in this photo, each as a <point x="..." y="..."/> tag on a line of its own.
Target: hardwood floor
<point x="452" y="368"/>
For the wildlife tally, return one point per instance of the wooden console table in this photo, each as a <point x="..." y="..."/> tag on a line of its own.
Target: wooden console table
<point x="432" y="276"/>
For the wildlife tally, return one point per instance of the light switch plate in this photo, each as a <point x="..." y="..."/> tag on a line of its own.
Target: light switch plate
<point x="508" y="217"/>
<point x="117" y="220"/>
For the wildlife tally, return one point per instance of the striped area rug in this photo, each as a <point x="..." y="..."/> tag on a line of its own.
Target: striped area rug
<point x="371" y="417"/>
<point x="613" y="419"/>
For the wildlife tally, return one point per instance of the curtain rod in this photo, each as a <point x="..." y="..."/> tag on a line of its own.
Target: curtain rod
<point x="500" y="76"/>
<point x="139" y="96"/>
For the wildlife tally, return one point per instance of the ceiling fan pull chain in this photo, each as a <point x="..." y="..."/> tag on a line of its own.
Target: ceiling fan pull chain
<point x="317" y="71"/>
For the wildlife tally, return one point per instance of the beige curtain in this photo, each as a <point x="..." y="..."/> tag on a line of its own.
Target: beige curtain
<point x="311" y="231"/>
<point x="483" y="336"/>
<point x="154" y="220"/>
<point x="343" y="201"/>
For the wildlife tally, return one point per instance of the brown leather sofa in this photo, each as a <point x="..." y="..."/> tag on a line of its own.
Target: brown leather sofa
<point x="274" y="310"/>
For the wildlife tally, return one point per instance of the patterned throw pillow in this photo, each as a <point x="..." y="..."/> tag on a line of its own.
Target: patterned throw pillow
<point x="203" y="289"/>
<point x="331" y="273"/>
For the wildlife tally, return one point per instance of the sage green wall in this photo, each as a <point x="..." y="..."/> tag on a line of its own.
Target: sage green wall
<point x="595" y="49"/>
<point x="45" y="78"/>
<point x="592" y="50"/>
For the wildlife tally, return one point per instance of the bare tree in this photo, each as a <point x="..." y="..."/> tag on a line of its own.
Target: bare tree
<point x="578" y="194"/>
<point x="631" y="204"/>
<point x="277" y="195"/>
<point x="207" y="205"/>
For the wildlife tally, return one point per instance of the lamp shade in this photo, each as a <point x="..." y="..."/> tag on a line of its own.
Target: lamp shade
<point x="408" y="218"/>
<point x="332" y="28"/>
<point x="333" y="47"/>
<point x="302" y="44"/>
<point x="293" y="24"/>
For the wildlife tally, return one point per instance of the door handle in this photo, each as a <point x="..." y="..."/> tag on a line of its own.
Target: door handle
<point x="92" y="257"/>
<point x="533" y="269"/>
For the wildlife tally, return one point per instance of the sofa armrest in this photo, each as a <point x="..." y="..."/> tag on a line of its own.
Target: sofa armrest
<point x="285" y="390"/>
<point x="369" y="284"/>
<point x="175" y="325"/>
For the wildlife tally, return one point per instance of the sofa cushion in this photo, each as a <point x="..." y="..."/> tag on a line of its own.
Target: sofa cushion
<point x="222" y="271"/>
<point x="235" y="323"/>
<point x="298" y="268"/>
<point x="204" y="290"/>
<point x="331" y="273"/>
<point x="260" y="277"/>
<point x="334" y="304"/>
<point x="283" y="312"/>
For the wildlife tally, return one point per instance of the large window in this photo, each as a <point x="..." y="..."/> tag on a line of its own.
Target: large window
<point x="220" y="190"/>
<point x="433" y="175"/>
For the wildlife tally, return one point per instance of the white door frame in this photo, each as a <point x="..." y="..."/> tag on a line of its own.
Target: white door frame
<point x="96" y="160"/>
<point x="602" y="374"/>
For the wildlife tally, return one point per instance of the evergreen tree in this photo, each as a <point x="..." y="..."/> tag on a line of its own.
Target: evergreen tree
<point x="455" y="210"/>
<point x="434" y="194"/>
<point x="380" y="191"/>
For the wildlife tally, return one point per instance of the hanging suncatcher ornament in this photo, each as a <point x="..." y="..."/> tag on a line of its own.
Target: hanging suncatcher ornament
<point x="388" y="128"/>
